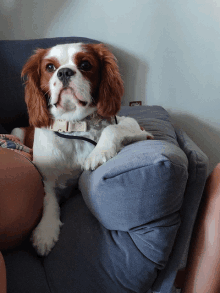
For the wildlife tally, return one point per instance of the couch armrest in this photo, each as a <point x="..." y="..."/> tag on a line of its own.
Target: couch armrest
<point x="140" y="191"/>
<point x="197" y="175"/>
<point x="144" y="182"/>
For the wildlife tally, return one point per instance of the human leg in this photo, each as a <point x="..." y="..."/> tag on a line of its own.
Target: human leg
<point x="2" y="275"/>
<point x="203" y="267"/>
<point x="21" y="198"/>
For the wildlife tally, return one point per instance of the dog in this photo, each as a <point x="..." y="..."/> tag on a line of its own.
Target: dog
<point x="73" y="93"/>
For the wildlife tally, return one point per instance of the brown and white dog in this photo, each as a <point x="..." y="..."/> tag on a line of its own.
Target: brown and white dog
<point x="73" y="89"/>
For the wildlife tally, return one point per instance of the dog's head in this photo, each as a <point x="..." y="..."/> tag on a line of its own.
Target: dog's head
<point x="70" y="82"/>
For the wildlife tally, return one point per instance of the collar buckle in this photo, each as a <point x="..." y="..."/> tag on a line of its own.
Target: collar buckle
<point x="68" y="126"/>
<point x="77" y="126"/>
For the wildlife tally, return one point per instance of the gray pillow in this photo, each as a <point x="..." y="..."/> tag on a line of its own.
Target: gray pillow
<point x="144" y="182"/>
<point x="140" y="191"/>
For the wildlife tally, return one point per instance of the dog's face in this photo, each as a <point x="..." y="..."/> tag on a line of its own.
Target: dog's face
<point x="71" y="77"/>
<point x="70" y="82"/>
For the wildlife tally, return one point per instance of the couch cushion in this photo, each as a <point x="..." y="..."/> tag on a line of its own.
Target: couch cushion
<point x="90" y="258"/>
<point x="154" y="119"/>
<point x="140" y="192"/>
<point x="198" y="170"/>
<point x="25" y="272"/>
<point x="149" y="177"/>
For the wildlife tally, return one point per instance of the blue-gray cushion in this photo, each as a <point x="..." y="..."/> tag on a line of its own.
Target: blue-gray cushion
<point x="140" y="192"/>
<point x="145" y="176"/>
<point x="198" y="171"/>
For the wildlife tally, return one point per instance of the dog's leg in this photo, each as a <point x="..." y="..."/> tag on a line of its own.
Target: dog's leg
<point x="20" y="133"/>
<point x="112" y="139"/>
<point x="46" y="234"/>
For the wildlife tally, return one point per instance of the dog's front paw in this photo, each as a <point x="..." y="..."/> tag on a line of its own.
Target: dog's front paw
<point x="98" y="157"/>
<point x="45" y="236"/>
<point x="148" y="135"/>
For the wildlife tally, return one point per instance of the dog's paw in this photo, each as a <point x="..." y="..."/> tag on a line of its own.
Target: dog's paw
<point x="148" y="135"/>
<point x="140" y="136"/>
<point x="98" y="157"/>
<point x="45" y="236"/>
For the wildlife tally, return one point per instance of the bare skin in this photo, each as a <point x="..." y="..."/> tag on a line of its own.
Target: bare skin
<point x="203" y="268"/>
<point x="21" y="202"/>
<point x="2" y="275"/>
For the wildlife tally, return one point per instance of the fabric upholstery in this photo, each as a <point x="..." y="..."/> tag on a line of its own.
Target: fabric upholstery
<point x="198" y="172"/>
<point x="145" y="167"/>
<point x="2" y="130"/>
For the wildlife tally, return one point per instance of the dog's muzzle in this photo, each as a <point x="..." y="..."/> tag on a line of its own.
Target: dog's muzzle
<point x="64" y="75"/>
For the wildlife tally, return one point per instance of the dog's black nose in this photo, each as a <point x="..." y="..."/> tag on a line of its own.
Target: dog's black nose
<point x="64" y="74"/>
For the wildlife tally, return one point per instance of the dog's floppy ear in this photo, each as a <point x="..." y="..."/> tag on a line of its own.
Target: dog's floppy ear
<point x="34" y="97"/>
<point x="111" y="87"/>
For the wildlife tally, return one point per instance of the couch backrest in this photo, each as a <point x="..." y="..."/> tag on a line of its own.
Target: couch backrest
<point x="13" y="55"/>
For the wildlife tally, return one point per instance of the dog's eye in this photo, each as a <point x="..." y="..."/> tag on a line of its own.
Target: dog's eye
<point x="50" y="67"/>
<point x="85" y="65"/>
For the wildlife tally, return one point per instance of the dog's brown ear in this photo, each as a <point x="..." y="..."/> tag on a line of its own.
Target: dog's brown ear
<point x="111" y="87"/>
<point x="34" y="97"/>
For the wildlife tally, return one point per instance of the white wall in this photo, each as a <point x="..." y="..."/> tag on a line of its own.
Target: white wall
<point x="168" y="51"/>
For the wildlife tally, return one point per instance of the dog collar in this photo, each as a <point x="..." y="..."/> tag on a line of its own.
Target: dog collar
<point x="68" y="126"/>
<point x="61" y="125"/>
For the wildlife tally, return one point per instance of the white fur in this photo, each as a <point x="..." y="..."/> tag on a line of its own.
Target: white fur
<point x="60" y="160"/>
<point x="80" y="86"/>
<point x="19" y="132"/>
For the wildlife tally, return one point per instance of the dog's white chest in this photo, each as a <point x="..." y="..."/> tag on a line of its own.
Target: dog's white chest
<point x="57" y="157"/>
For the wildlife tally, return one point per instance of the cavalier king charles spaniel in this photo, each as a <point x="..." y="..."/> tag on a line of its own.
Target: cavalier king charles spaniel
<point x="73" y="92"/>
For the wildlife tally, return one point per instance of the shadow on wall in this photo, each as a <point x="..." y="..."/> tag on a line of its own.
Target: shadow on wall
<point x="134" y="74"/>
<point x="206" y="136"/>
<point x="29" y="19"/>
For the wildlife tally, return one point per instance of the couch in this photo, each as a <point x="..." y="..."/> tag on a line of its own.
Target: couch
<point x="128" y="225"/>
